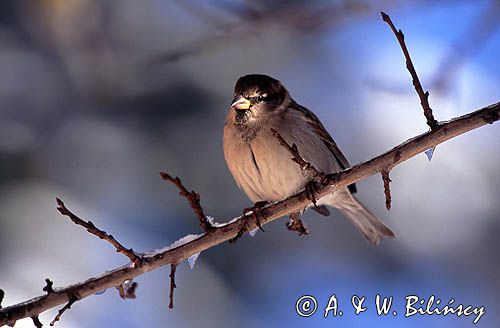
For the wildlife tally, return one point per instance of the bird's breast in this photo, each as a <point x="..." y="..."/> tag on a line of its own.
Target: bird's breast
<point x="261" y="166"/>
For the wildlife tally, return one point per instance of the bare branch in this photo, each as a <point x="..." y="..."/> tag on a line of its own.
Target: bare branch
<point x="203" y="15"/>
<point x="387" y="189"/>
<point x="173" y="267"/>
<point x="424" y="96"/>
<point x="193" y="199"/>
<point x="134" y="258"/>
<point x="251" y="22"/>
<point x="293" y="204"/>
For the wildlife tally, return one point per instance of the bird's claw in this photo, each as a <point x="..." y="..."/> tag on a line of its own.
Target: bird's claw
<point x="240" y="233"/>
<point x="256" y="210"/>
<point x="296" y="224"/>
<point x="311" y="189"/>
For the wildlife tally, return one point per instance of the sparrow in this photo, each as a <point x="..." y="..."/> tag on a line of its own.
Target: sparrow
<point x="264" y="169"/>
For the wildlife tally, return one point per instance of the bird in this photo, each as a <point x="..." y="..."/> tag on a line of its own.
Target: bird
<point x="263" y="168"/>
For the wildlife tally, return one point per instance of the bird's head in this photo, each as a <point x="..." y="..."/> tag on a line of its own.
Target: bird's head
<point x="255" y="96"/>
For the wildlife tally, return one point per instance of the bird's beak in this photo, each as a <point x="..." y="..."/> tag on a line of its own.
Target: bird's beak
<point x="241" y="103"/>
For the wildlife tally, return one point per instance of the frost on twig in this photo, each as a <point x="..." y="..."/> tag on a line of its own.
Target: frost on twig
<point x="192" y="260"/>
<point x="193" y="199"/>
<point x="253" y="232"/>
<point x="128" y="252"/>
<point x="181" y="241"/>
<point x="424" y="96"/>
<point x="429" y="153"/>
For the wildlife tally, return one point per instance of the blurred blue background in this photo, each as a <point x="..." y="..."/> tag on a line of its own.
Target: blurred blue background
<point x="96" y="97"/>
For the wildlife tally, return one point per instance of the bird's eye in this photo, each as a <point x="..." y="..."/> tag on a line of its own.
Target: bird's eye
<point x="261" y="98"/>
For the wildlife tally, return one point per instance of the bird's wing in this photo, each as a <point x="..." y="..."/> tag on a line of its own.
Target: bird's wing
<point x="320" y="130"/>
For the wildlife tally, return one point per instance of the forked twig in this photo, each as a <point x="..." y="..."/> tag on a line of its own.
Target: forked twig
<point x="424" y="96"/>
<point x="193" y="199"/>
<point x="128" y="252"/>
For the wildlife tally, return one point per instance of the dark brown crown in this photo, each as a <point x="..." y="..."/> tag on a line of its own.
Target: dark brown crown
<point x="258" y="83"/>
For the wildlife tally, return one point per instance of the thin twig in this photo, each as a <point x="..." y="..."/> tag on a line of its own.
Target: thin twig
<point x="387" y="188"/>
<point x="202" y="14"/>
<point x="391" y="158"/>
<point x="128" y="252"/>
<point x="193" y="199"/>
<point x="36" y="321"/>
<point x="72" y="299"/>
<point x="424" y="96"/>
<point x="173" y="268"/>
<point x="253" y="21"/>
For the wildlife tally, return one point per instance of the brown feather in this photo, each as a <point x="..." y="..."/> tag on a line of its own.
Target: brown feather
<point x="320" y="130"/>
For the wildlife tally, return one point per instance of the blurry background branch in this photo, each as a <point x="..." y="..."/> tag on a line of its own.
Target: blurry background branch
<point x="469" y="43"/>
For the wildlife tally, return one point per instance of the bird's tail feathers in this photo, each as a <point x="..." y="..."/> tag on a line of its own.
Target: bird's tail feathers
<point x="368" y="224"/>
